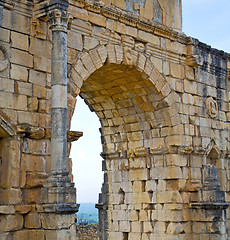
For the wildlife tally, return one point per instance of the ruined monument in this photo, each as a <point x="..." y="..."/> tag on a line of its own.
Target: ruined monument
<point x="163" y="102"/>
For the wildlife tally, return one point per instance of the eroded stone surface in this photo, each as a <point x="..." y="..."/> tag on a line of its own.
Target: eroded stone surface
<point x="162" y="100"/>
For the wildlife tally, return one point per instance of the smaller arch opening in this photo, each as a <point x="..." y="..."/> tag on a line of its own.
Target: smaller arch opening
<point x="122" y="196"/>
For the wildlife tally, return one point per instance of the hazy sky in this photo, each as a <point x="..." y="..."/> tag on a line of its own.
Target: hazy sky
<point x="207" y="20"/>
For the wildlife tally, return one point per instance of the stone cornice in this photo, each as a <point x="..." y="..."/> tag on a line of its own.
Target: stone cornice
<point x="7" y="3"/>
<point x="23" y="7"/>
<point x="162" y="150"/>
<point x="195" y="46"/>
<point x="42" y="9"/>
<point x="132" y="19"/>
<point x="197" y="57"/>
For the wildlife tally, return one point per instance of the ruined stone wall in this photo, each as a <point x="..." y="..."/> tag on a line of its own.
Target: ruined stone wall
<point x="162" y="100"/>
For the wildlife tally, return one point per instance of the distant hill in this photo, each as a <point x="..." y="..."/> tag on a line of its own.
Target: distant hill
<point x="87" y="213"/>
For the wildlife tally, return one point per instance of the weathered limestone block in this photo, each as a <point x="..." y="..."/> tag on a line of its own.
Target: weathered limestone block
<point x="36" y="147"/>
<point x="75" y="41"/>
<point x="7" y="210"/>
<point x="61" y="234"/>
<point x="42" y="64"/>
<point x="55" y="221"/>
<point x="169" y="197"/>
<point x="32" y="104"/>
<point x="147" y="227"/>
<point x="90" y="43"/>
<point x="17" y="102"/>
<point x="128" y="71"/>
<point x="21" y="58"/>
<point x="124" y="226"/>
<point x="40" y="92"/>
<point x="5" y="35"/>
<point x="35" y="179"/>
<point x="40" y="47"/>
<point x="29" y="234"/>
<point x="136" y="226"/>
<point x="32" y="196"/>
<point x="23" y="209"/>
<point x="175" y="228"/>
<point x="11" y="222"/>
<point x="10" y="165"/>
<point x="19" y="41"/>
<point x="16" y="21"/>
<point x="32" y="220"/>
<point x="139" y="174"/>
<point x="33" y="163"/>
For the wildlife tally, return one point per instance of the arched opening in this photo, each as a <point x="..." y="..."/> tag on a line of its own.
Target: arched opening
<point x="138" y="114"/>
<point x="132" y="113"/>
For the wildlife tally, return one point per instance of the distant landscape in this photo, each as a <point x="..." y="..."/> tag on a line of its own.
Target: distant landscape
<point x="87" y="214"/>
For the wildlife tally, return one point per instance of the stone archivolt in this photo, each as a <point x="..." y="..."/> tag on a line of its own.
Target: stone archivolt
<point x="162" y="100"/>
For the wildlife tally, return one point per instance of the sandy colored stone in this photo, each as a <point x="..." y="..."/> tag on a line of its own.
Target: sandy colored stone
<point x="29" y="234"/>
<point x="35" y="179"/>
<point x="33" y="104"/>
<point x="177" y="70"/>
<point x="23" y="209"/>
<point x="5" y="35"/>
<point x="148" y="37"/>
<point x="32" y="220"/>
<point x="97" y="19"/>
<point x="37" y="77"/>
<point x="11" y="222"/>
<point x="21" y="58"/>
<point x="10" y="195"/>
<point x="148" y="84"/>
<point x="90" y="43"/>
<point x="17" y="102"/>
<point x="52" y="221"/>
<point x="40" y="47"/>
<point x="7" y="209"/>
<point x="75" y="41"/>
<point x="39" y="91"/>
<point x="42" y="64"/>
<point x="19" y="41"/>
<point x="7" y="85"/>
<point x="23" y="88"/>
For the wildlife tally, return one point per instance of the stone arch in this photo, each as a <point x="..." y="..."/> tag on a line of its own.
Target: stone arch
<point x="138" y="112"/>
<point x="89" y="62"/>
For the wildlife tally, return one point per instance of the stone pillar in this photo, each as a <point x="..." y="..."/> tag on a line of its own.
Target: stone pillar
<point x="59" y="194"/>
<point x="58" y="23"/>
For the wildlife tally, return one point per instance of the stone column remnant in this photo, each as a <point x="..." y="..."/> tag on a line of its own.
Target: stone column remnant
<point x="58" y="23"/>
<point x="58" y="192"/>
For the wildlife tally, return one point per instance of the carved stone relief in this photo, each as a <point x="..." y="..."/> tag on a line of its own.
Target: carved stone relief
<point x="3" y="59"/>
<point x="127" y="56"/>
<point x="211" y="107"/>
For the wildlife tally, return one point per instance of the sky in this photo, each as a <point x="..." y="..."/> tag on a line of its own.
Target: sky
<point x="207" y="20"/>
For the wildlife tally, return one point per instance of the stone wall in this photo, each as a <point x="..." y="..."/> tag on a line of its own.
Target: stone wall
<point x="163" y="102"/>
